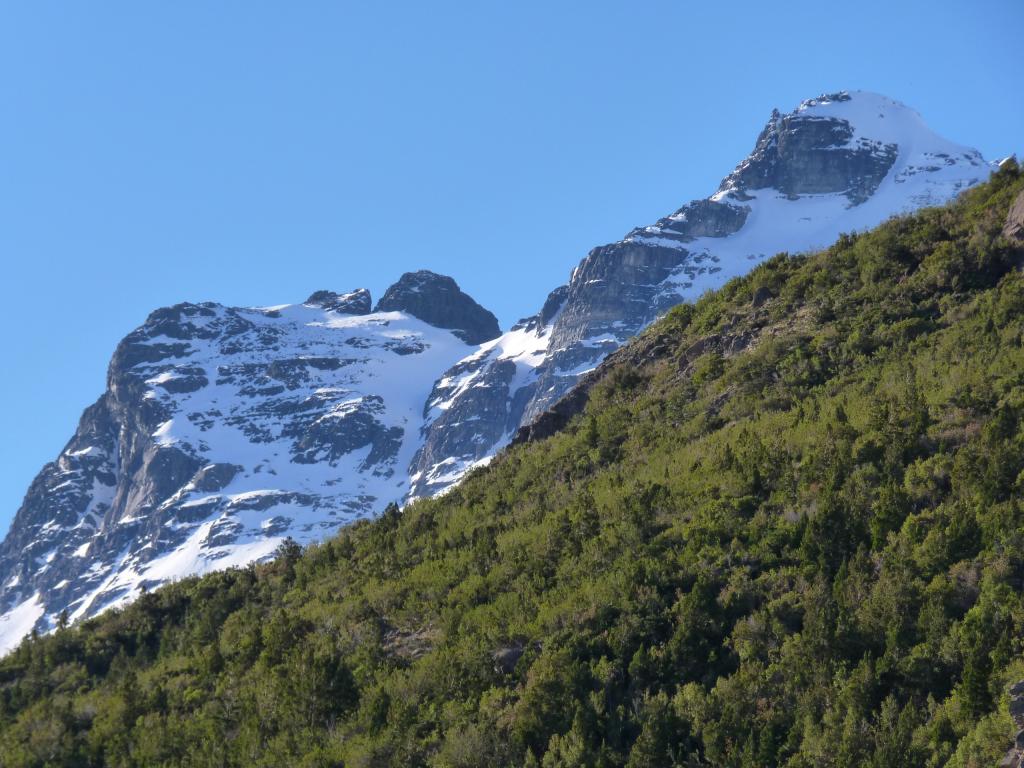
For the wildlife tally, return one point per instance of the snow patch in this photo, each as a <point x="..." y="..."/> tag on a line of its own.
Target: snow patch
<point x="18" y="622"/>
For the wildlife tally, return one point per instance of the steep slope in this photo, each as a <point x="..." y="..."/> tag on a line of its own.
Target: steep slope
<point x="223" y="431"/>
<point x="839" y="163"/>
<point x="785" y="530"/>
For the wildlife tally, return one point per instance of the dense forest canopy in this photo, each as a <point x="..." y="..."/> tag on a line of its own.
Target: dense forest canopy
<point x="786" y="529"/>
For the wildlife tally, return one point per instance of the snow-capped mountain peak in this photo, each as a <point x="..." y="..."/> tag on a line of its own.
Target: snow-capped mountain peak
<point x="874" y="117"/>
<point x="841" y="162"/>
<point x="224" y="430"/>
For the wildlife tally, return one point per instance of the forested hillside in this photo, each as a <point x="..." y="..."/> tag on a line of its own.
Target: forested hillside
<point x="787" y="529"/>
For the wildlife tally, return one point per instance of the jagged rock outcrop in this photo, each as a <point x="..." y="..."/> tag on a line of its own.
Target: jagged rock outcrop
<point x="223" y="431"/>
<point x="838" y="163"/>
<point x="1014" y="226"/>
<point x="356" y="302"/>
<point x="438" y="300"/>
<point x="803" y="153"/>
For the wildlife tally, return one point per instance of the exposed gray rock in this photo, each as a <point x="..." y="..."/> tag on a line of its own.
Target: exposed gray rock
<point x="506" y="657"/>
<point x="462" y="434"/>
<point x="438" y="300"/>
<point x="1014" y="757"/>
<point x="215" y="477"/>
<point x="700" y="218"/>
<point x="801" y="154"/>
<point x="353" y="426"/>
<point x="1014" y="227"/>
<point x="620" y="288"/>
<point x="356" y="302"/>
<point x="408" y="645"/>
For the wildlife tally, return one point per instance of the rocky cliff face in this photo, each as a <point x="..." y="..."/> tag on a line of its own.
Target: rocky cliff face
<point x="225" y="430"/>
<point x="1013" y="229"/>
<point x="438" y="300"/>
<point x="806" y="153"/>
<point x="838" y="163"/>
<point x="356" y="302"/>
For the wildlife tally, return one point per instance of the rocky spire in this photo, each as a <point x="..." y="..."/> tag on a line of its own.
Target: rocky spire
<point x="438" y="300"/>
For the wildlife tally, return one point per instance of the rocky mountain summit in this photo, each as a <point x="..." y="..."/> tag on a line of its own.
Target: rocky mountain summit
<point x="357" y="302"/>
<point x="438" y="300"/>
<point x="225" y="430"/>
<point x="838" y="163"/>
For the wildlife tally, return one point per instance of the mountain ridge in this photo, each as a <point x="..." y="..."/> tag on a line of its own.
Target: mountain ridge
<point x="322" y="420"/>
<point x="785" y="528"/>
<point x="756" y="212"/>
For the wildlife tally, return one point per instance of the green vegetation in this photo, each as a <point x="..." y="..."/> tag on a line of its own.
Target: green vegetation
<point x="787" y="531"/>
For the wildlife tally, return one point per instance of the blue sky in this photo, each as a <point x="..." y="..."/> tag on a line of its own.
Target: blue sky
<point x="253" y="152"/>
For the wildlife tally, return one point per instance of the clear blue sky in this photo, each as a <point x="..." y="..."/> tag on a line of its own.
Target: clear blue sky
<point x="253" y="152"/>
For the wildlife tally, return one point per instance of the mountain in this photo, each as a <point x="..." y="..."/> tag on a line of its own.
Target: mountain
<point x="784" y="527"/>
<point x="842" y="162"/>
<point x="224" y="430"/>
